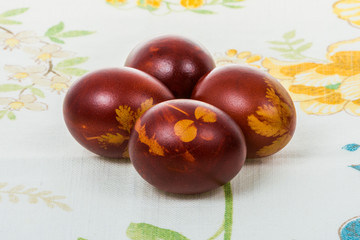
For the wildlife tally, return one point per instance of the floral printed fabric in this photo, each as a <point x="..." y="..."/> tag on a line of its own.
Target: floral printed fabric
<point x="47" y="180"/>
<point x="164" y="7"/>
<point x="26" y="82"/>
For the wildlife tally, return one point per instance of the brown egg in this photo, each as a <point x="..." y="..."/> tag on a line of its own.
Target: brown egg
<point x="186" y="146"/>
<point x="176" y="61"/>
<point x="101" y="108"/>
<point x="256" y="101"/>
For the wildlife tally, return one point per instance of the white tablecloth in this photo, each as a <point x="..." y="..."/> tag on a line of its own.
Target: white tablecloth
<point x="52" y="188"/>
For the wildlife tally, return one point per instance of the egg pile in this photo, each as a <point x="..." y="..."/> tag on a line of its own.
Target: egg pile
<point x="186" y="125"/>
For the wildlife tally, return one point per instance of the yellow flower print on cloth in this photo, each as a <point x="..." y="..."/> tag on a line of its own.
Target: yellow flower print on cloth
<point x="232" y="56"/>
<point x="24" y="101"/>
<point x="10" y="40"/>
<point x="21" y="74"/>
<point x="164" y="7"/>
<point x="149" y="3"/>
<point x="116" y="1"/>
<point x="348" y="10"/>
<point x="191" y="3"/>
<point x="323" y="88"/>
<point x="48" y="52"/>
<point x="59" y="83"/>
<point x="51" y="67"/>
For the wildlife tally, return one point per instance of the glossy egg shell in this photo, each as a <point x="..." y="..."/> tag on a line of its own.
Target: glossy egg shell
<point x="176" y="61"/>
<point x="259" y="104"/>
<point x="101" y="108"/>
<point x="186" y="146"/>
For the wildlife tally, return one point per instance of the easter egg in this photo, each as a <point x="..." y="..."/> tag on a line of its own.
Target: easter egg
<point x="186" y="146"/>
<point x="258" y="103"/>
<point x="176" y="61"/>
<point x="101" y="108"/>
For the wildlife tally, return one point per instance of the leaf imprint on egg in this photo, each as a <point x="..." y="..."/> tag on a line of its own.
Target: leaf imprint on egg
<point x="272" y="120"/>
<point x="154" y="147"/>
<point x="204" y="114"/>
<point x="185" y="130"/>
<point x="126" y="118"/>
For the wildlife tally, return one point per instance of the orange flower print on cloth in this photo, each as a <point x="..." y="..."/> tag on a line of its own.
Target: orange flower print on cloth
<point x="348" y="10"/>
<point x="323" y="88"/>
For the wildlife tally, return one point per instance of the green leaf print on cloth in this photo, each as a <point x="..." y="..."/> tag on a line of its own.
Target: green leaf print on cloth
<point x="4" y="17"/>
<point x="144" y="231"/>
<point x="56" y="33"/>
<point x="291" y="47"/>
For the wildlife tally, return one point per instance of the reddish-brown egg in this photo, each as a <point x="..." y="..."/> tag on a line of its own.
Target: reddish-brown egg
<point x="186" y="146"/>
<point x="176" y="61"/>
<point x="101" y="108"/>
<point x="258" y="103"/>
